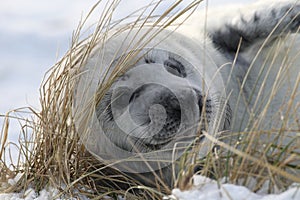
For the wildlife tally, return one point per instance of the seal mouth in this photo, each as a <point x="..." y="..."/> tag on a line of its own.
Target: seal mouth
<point x="155" y="147"/>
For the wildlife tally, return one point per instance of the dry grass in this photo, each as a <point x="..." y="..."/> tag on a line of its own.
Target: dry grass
<point x="51" y="152"/>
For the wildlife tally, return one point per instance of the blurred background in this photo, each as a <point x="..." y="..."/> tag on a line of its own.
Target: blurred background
<point x="35" y="34"/>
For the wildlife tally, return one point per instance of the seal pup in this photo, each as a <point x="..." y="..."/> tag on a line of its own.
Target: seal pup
<point x="168" y="85"/>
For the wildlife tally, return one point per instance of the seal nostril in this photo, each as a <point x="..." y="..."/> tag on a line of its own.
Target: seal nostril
<point x="136" y="94"/>
<point x="132" y="97"/>
<point x="200" y="100"/>
<point x="200" y="104"/>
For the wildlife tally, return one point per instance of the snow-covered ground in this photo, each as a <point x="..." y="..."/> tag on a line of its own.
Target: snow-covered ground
<point x="34" y="35"/>
<point x="204" y="189"/>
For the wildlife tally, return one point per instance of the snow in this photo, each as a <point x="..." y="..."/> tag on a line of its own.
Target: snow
<point x="28" y="195"/>
<point x="207" y="189"/>
<point x="15" y="180"/>
<point x="231" y="192"/>
<point x="203" y="189"/>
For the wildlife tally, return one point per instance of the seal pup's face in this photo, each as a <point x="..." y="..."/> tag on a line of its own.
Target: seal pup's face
<point x="161" y="97"/>
<point x="156" y="102"/>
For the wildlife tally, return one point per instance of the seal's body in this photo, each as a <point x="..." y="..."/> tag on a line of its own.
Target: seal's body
<point x="237" y="71"/>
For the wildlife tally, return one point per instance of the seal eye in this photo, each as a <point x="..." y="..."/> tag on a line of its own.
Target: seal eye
<point x="175" y="67"/>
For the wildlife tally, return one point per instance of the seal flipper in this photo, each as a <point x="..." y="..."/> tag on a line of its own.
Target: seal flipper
<point x="264" y="19"/>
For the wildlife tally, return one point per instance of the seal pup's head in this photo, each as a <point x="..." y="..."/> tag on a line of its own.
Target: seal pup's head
<point x="141" y="107"/>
